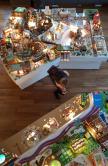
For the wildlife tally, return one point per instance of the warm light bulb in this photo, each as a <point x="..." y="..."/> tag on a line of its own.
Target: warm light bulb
<point x="31" y="24"/>
<point x="33" y="133"/>
<point x="73" y="28"/>
<point x="49" y="36"/>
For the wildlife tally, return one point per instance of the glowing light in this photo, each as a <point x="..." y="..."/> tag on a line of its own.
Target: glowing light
<point x="8" y="30"/>
<point x="49" y="36"/>
<point x="21" y="72"/>
<point x="55" y="163"/>
<point x="2" y="158"/>
<point x="84" y="33"/>
<point x="12" y="17"/>
<point x="97" y="15"/>
<point x="31" y="24"/>
<point x="32" y="134"/>
<point x="45" y="50"/>
<point x="71" y="115"/>
<point x="73" y="28"/>
<point x="17" y="36"/>
<point x="46" y="126"/>
<point x="68" y="42"/>
<point x="46" y="21"/>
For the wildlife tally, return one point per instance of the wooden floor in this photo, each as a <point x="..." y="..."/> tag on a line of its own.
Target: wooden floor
<point x="20" y="108"/>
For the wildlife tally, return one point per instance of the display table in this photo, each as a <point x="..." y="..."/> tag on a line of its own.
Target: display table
<point x="74" y="132"/>
<point x="35" y="75"/>
<point x="76" y="62"/>
<point x="25" y="58"/>
<point x="65" y="26"/>
<point x="17" y="143"/>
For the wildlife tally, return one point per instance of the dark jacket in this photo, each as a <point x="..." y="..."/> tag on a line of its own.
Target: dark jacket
<point x="56" y="74"/>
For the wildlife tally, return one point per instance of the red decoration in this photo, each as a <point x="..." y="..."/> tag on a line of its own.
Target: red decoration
<point x="96" y="18"/>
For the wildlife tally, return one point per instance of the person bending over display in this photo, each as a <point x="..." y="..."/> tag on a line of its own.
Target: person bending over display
<point x="59" y="78"/>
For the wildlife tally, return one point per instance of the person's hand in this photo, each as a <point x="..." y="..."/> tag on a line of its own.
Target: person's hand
<point x="59" y="85"/>
<point x="62" y="87"/>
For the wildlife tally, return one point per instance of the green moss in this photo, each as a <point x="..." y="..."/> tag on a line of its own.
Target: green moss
<point x="90" y="12"/>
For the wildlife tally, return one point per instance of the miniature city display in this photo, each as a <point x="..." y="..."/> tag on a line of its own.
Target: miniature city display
<point x="20" y="49"/>
<point x="77" y="33"/>
<point x="34" y="134"/>
<point x="81" y="141"/>
<point x="32" y="38"/>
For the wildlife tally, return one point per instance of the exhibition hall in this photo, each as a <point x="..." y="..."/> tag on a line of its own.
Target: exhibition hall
<point x="54" y="83"/>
